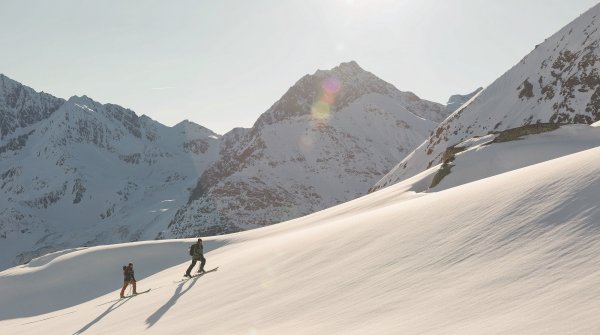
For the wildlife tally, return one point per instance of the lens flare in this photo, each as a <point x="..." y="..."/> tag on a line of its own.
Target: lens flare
<point x="332" y="85"/>
<point x="321" y="109"/>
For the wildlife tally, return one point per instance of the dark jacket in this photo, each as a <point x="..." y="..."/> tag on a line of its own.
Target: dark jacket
<point x="197" y="251"/>
<point x="128" y="274"/>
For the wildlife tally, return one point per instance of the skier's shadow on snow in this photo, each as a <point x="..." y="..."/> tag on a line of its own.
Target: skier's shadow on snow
<point x="153" y="319"/>
<point x="101" y="316"/>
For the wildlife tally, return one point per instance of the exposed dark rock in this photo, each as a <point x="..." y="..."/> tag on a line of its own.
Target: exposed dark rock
<point x="525" y="90"/>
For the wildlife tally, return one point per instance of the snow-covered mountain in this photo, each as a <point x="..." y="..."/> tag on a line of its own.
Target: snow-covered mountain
<point x="326" y="141"/>
<point x="80" y="173"/>
<point x="457" y="100"/>
<point x="515" y="253"/>
<point x="558" y="82"/>
<point x="22" y="107"/>
<point x="491" y="226"/>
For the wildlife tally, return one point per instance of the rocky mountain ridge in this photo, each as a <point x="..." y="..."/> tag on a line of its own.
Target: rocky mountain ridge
<point x="326" y="141"/>
<point x="78" y="173"/>
<point x="558" y="82"/>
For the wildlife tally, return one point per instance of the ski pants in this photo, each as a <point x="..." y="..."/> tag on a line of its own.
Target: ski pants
<point x="194" y="260"/>
<point x="127" y="282"/>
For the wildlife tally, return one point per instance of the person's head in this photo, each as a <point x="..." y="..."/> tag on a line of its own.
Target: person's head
<point x="199" y="241"/>
<point x="130" y="265"/>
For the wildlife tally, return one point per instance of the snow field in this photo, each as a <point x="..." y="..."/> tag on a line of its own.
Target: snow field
<point x="514" y="253"/>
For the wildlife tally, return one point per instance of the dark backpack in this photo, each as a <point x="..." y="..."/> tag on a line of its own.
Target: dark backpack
<point x="192" y="250"/>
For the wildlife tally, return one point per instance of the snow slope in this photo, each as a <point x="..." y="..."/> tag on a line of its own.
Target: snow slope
<point x="516" y="253"/>
<point x="482" y="157"/>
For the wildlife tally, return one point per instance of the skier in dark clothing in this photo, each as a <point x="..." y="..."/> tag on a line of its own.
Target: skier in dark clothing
<point x="129" y="278"/>
<point x="197" y="253"/>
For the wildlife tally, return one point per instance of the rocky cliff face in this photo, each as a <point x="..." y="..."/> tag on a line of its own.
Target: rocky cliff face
<point x="22" y="106"/>
<point x="558" y="82"/>
<point x="326" y="141"/>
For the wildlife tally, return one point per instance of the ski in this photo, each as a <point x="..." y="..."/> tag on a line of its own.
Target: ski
<point x="197" y="275"/>
<point x="126" y="297"/>
<point x="133" y="295"/>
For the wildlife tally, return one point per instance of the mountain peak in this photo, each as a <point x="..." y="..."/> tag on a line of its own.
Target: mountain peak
<point x="351" y="66"/>
<point x="189" y="126"/>
<point x="83" y="100"/>
<point x="22" y="106"/>
<point x="336" y="89"/>
<point x="6" y="81"/>
<point x="9" y="86"/>
<point x="4" y="78"/>
<point x="347" y="70"/>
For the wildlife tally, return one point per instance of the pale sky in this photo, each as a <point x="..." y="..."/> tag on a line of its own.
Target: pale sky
<point x="222" y="63"/>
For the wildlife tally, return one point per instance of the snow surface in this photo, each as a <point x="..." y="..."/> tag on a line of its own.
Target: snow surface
<point x="483" y="158"/>
<point x="516" y="253"/>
